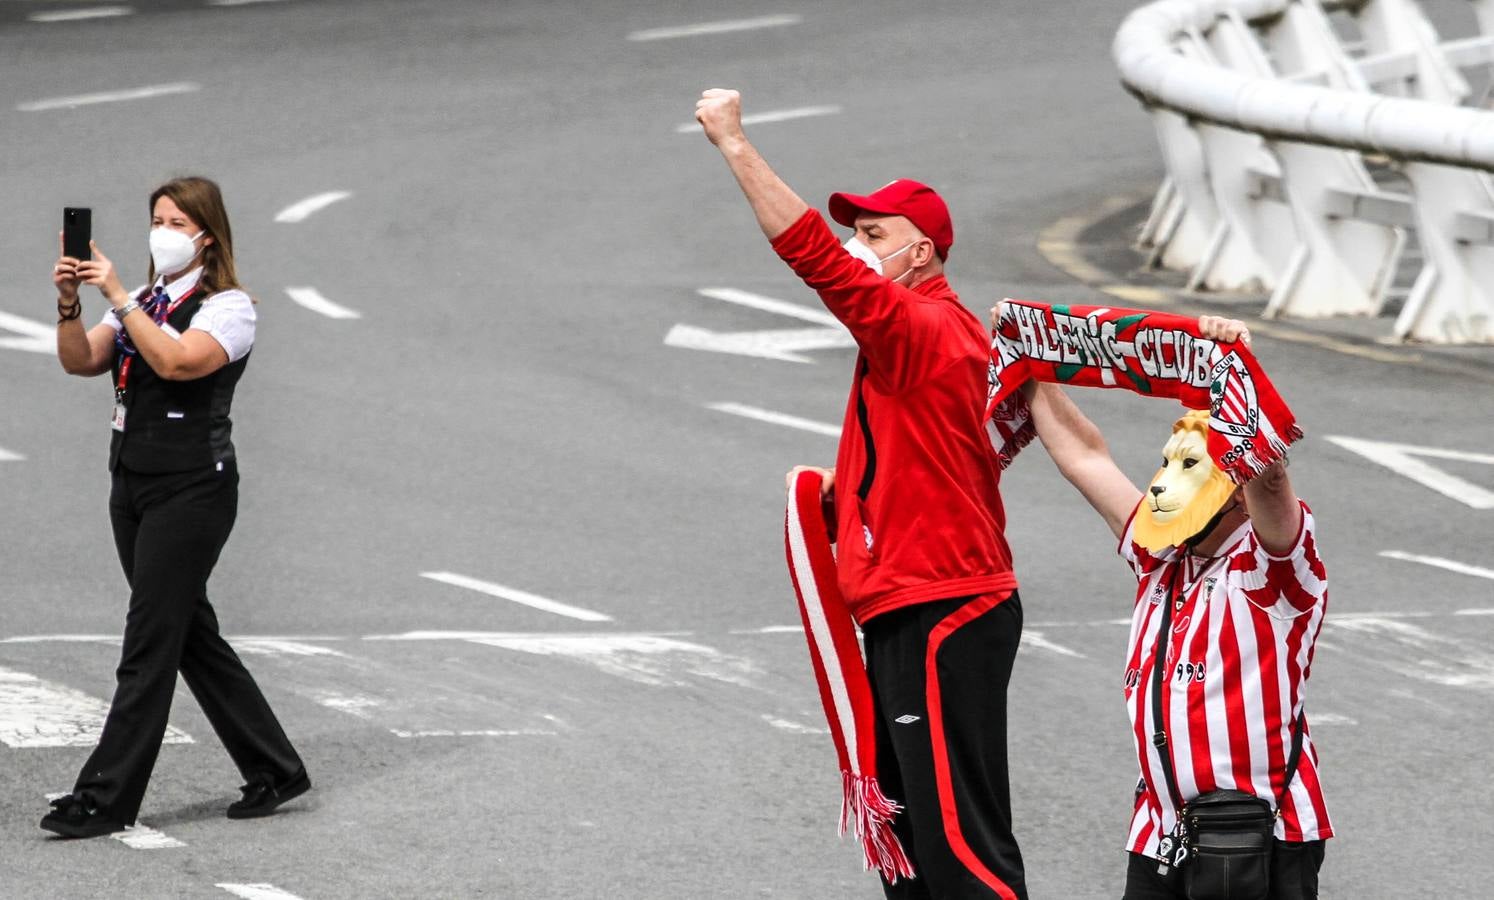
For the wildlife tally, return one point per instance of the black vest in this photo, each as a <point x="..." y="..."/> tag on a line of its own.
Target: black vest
<point x="174" y="426"/>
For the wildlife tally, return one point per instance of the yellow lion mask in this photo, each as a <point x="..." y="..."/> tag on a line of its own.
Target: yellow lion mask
<point x="1186" y="492"/>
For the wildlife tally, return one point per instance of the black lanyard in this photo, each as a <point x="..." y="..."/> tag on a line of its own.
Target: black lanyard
<point x="1159" y="737"/>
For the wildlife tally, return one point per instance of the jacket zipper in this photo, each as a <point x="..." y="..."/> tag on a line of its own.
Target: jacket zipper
<point x="870" y="473"/>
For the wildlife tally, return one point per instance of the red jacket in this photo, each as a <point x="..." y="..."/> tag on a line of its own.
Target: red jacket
<point x="918" y="508"/>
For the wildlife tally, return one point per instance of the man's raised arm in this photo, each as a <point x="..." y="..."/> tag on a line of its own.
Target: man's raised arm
<point x="774" y="203"/>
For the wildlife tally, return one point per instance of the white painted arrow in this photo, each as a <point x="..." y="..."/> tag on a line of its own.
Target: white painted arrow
<point x="36" y="337"/>
<point x="1402" y="458"/>
<point x="780" y="344"/>
<point x="783" y="344"/>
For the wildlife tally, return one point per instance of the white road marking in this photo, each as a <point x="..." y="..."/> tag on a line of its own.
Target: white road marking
<point x="779" y="115"/>
<point x="312" y="299"/>
<point x="782" y="344"/>
<point x="144" y="837"/>
<point x="37" y="713"/>
<point x="1392" y="614"/>
<point x="772" y="305"/>
<point x="62" y="639"/>
<point x="486" y="732"/>
<point x="275" y="646"/>
<point x="485" y="635"/>
<point x="300" y="210"/>
<point x="1440" y="563"/>
<point x="653" y="659"/>
<point x="1318" y="718"/>
<point x="1413" y="651"/>
<point x="776" y="418"/>
<point x="772" y="629"/>
<point x="140" y="93"/>
<point x="517" y="596"/>
<point x="73" y="15"/>
<point x="356" y="705"/>
<point x="259" y="891"/>
<point x="644" y="658"/>
<point x="1474" y="612"/>
<point x="282" y="644"/>
<point x="680" y="31"/>
<point x="1035" y="640"/>
<point x="239" y="2"/>
<point x="1403" y="459"/>
<point x="793" y="727"/>
<point x="10" y="456"/>
<point x="35" y="337"/>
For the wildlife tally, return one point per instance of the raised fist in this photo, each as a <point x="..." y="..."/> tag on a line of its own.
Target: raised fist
<point x="719" y="112"/>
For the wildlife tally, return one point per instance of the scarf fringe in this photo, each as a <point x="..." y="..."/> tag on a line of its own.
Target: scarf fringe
<point x="867" y="814"/>
<point x="1262" y="456"/>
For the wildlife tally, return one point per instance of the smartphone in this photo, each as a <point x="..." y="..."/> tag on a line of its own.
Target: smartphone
<point x="77" y="231"/>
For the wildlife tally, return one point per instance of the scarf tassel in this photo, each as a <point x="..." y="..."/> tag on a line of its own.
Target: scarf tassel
<point x="1262" y="456"/>
<point x="867" y="814"/>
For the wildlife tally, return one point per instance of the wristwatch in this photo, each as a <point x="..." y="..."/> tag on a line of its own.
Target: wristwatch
<point x="125" y="309"/>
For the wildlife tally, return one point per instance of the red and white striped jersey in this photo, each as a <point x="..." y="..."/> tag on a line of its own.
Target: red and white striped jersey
<point x="1243" y="629"/>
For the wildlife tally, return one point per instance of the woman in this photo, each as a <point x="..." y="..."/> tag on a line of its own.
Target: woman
<point x="175" y="350"/>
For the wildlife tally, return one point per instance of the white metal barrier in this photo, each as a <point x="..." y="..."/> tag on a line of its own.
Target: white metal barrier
<point x="1265" y="111"/>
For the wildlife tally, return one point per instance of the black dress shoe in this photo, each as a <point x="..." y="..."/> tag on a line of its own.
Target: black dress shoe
<point x="261" y="797"/>
<point x="76" y="817"/>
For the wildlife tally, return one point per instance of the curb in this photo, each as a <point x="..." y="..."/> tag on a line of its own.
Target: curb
<point x="1094" y="247"/>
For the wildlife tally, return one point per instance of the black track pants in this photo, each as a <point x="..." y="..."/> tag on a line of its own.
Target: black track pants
<point x="939" y="673"/>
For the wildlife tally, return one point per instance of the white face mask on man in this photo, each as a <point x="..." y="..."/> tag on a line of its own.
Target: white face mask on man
<point x="171" y="250"/>
<point x="856" y="248"/>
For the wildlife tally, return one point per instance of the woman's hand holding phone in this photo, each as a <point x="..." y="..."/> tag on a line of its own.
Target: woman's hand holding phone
<point x="65" y="274"/>
<point x="100" y="273"/>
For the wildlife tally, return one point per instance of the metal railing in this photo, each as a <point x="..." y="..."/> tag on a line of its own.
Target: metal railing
<point x="1267" y="111"/>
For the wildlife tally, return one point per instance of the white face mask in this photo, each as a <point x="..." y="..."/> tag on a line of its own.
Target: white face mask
<point x="171" y="250"/>
<point x="856" y="248"/>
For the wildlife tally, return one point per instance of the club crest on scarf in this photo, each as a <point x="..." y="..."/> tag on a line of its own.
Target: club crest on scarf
<point x="1232" y="402"/>
<point x="1154" y="354"/>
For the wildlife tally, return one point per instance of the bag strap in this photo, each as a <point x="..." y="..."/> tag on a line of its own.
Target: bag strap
<point x="1159" y="662"/>
<point x="1292" y="760"/>
<point x="1159" y="737"/>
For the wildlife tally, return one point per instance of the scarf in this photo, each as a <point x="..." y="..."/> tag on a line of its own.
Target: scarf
<point x="1151" y="353"/>
<point x="840" y="672"/>
<point x="157" y="305"/>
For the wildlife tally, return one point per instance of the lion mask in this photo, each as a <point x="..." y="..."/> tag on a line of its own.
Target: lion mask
<point x="1186" y="492"/>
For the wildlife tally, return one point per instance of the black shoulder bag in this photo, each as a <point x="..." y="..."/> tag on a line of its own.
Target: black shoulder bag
<point x="1221" y="848"/>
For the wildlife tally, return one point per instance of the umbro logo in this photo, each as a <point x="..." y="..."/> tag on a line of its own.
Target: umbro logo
<point x="906" y="720"/>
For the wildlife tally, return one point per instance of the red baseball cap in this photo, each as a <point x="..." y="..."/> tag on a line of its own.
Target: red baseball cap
<point x="918" y="203"/>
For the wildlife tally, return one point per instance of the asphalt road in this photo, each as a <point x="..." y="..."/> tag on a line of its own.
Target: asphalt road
<point x="526" y="223"/>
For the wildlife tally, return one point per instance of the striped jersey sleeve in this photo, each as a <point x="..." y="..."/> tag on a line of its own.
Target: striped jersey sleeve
<point x="1284" y="586"/>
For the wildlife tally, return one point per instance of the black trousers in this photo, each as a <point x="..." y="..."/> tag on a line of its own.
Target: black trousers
<point x="1294" y="875"/>
<point x="939" y="673"/>
<point x="169" y="530"/>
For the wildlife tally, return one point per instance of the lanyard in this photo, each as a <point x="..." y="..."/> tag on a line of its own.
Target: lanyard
<point x="124" y="366"/>
<point x="1175" y="595"/>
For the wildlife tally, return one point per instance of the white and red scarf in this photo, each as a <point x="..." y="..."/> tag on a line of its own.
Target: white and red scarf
<point x="845" y="690"/>
<point x="1151" y="353"/>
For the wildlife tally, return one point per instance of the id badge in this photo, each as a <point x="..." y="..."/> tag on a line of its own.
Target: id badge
<point x="117" y="421"/>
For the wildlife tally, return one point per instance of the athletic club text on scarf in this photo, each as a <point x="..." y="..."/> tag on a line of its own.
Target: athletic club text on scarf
<point x="1151" y="353"/>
